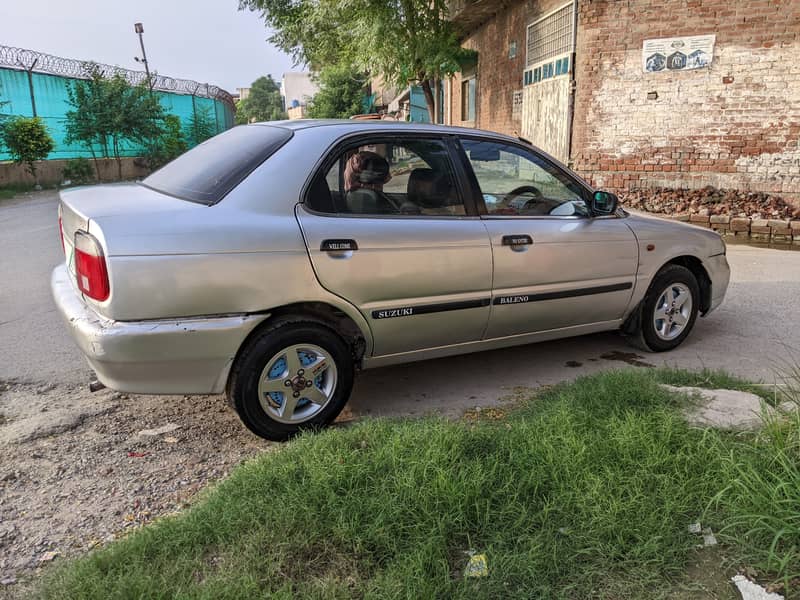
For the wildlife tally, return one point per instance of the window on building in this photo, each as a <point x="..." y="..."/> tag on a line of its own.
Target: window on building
<point x="550" y="36"/>
<point x="549" y="46"/>
<point x="468" y="99"/>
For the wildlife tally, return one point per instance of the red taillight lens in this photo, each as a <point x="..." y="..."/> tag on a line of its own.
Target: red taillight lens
<point x="90" y="267"/>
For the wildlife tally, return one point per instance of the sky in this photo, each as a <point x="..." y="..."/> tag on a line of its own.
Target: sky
<point x="210" y="41"/>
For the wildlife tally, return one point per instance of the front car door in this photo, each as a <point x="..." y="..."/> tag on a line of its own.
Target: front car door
<point x="555" y="267"/>
<point x="388" y="230"/>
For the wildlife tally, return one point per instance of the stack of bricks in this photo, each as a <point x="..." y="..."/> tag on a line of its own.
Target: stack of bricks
<point x="776" y="231"/>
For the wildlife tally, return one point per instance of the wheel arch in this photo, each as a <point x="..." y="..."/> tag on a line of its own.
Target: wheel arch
<point x="322" y="313"/>
<point x="695" y="265"/>
<point x="688" y="261"/>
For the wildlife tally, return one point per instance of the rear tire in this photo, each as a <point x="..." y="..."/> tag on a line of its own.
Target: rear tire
<point x="669" y="310"/>
<point x="292" y="376"/>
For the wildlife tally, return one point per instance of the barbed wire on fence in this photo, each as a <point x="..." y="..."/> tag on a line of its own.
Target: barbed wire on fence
<point x="39" y="62"/>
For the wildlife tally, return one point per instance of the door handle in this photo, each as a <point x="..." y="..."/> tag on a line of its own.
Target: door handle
<point x="517" y="240"/>
<point x="338" y="245"/>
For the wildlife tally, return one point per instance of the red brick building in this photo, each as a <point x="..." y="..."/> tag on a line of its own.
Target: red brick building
<point x="575" y="77"/>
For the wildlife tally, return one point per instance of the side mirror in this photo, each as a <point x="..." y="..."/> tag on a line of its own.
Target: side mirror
<point x="604" y="203"/>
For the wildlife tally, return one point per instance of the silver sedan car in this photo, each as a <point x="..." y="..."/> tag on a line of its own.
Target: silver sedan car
<point x="274" y="260"/>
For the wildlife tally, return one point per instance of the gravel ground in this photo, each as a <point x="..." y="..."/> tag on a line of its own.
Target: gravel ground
<point x="80" y="469"/>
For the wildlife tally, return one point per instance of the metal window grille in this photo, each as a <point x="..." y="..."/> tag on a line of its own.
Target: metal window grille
<point x="550" y="36"/>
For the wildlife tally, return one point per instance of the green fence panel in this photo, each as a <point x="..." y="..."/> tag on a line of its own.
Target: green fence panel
<point x="50" y="99"/>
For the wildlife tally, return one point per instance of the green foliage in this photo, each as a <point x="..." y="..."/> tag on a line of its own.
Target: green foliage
<point x="340" y="95"/>
<point x="263" y="104"/>
<point x="108" y="112"/>
<point x="200" y="126"/>
<point x="170" y="144"/>
<point x="78" y="171"/>
<point x="399" y="40"/>
<point x="27" y="140"/>
<point x="584" y="492"/>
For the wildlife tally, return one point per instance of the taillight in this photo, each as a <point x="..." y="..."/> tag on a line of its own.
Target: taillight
<point x="90" y="267"/>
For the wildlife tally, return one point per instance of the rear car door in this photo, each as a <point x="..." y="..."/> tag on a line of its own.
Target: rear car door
<point x="388" y="230"/>
<point x="554" y="265"/>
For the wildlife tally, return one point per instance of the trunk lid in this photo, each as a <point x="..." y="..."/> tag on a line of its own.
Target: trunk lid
<point x="80" y="205"/>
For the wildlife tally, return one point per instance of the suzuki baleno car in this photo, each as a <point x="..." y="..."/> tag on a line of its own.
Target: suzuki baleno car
<point x="274" y="260"/>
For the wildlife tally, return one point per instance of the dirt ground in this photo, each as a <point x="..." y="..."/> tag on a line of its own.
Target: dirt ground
<point x="80" y="469"/>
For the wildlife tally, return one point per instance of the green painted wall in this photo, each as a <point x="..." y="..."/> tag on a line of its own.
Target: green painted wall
<point x="50" y="93"/>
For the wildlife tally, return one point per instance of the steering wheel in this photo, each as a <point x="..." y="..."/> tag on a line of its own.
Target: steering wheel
<point x="523" y="189"/>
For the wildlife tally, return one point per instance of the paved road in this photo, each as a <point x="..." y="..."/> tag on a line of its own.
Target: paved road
<point x="750" y="334"/>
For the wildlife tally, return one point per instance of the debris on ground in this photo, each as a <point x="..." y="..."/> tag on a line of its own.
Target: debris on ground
<point x="168" y="428"/>
<point x="753" y="591"/>
<point x="480" y="413"/>
<point x="710" y="201"/>
<point x="709" y="539"/>
<point x="48" y="556"/>
<point x="477" y="565"/>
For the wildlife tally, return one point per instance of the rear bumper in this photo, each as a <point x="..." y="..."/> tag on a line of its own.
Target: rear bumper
<point x="720" y="274"/>
<point x="166" y="356"/>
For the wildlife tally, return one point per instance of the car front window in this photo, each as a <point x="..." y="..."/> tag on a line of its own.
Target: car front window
<point x="519" y="183"/>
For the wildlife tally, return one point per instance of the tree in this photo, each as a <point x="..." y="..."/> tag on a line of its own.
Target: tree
<point x="340" y="95"/>
<point x="262" y="104"/>
<point x="170" y="143"/>
<point x="27" y="141"/>
<point x="200" y="126"/>
<point x="109" y="111"/>
<point x="402" y="41"/>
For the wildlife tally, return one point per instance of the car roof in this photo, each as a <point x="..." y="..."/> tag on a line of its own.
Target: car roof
<point x="355" y="125"/>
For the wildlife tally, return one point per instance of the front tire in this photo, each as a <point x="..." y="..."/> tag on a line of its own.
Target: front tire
<point x="292" y="376"/>
<point x="669" y="309"/>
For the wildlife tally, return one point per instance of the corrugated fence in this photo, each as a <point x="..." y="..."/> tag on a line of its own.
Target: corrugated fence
<point x="32" y="79"/>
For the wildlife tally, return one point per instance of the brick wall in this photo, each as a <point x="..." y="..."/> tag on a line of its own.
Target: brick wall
<point x="700" y="130"/>
<point x="498" y="76"/>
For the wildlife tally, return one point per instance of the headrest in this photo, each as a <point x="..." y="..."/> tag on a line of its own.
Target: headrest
<point x="429" y="189"/>
<point x="366" y="169"/>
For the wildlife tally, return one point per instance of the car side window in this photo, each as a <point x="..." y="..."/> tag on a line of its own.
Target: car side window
<point x="388" y="177"/>
<point x="516" y="182"/>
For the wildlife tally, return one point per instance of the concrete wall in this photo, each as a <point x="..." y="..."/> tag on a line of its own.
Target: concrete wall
<point x="732" y="125"/>
<point x="50" y="171"/>
<point x="297" y="87"/>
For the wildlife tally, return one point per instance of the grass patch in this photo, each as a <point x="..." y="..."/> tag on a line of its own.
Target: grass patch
<point x="584" y="491"/>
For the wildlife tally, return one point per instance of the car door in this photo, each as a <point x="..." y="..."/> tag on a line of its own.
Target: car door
<point x="555" y="266"/>
<point x="387" y="229"/>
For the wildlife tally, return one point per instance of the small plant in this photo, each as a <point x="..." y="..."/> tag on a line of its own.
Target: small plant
<point x="78" y="171"/>
<point x="27" y="141"/>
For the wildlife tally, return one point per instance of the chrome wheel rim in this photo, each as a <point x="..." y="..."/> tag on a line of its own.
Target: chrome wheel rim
<point x="673" y="311"/>
<point x="297" y="383"/>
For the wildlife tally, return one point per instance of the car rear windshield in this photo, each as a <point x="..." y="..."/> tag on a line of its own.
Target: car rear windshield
<point x="207" y="172"/>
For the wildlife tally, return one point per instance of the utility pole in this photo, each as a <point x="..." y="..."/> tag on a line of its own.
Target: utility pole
<point x="139" y="29"/>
